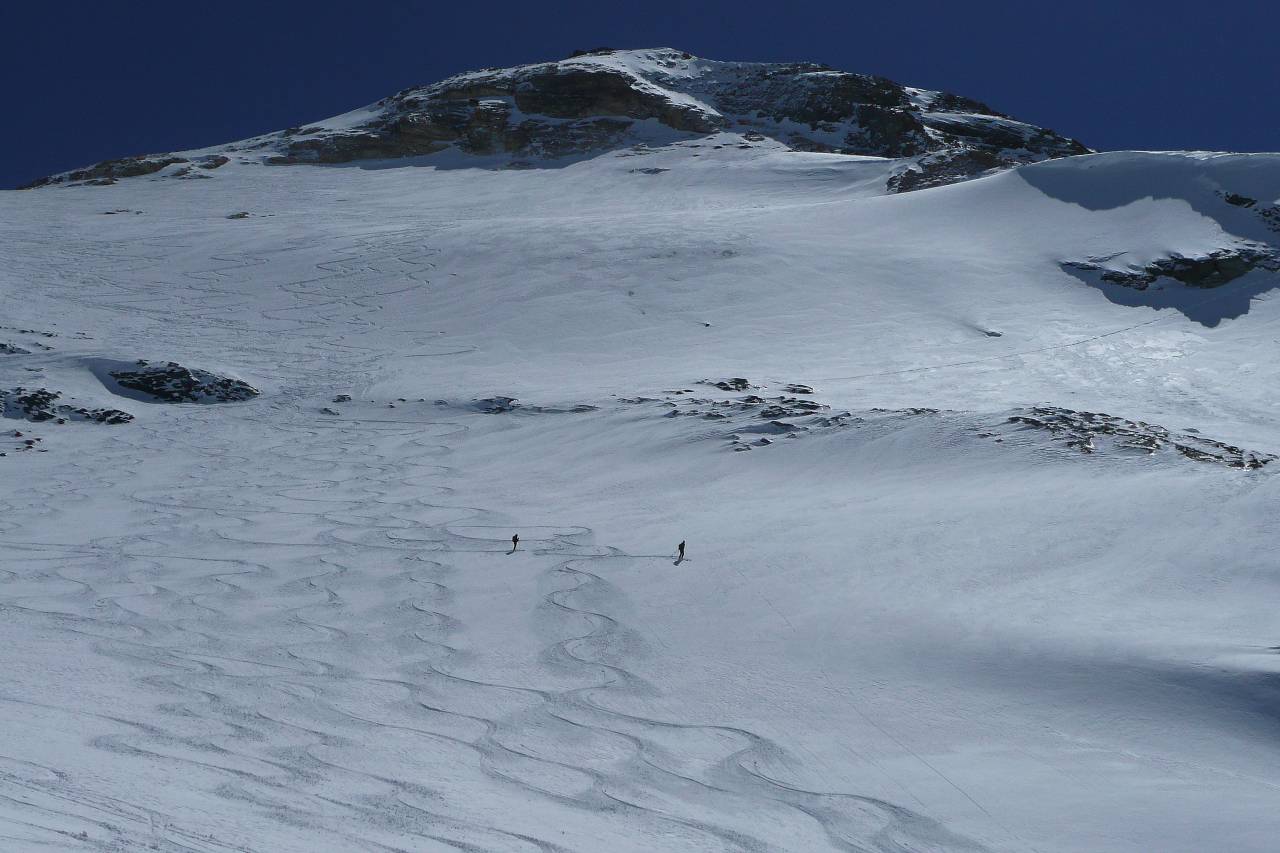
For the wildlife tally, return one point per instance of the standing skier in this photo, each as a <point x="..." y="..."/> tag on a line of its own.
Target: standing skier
<point x="680" y="549"/>
<point x="515" y="542"/>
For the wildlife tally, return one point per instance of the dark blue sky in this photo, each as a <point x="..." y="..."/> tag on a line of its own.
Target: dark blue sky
<point x="84" y="81"/>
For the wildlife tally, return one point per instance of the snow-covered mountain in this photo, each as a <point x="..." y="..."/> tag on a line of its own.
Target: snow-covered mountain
<point x="605" y="100"/>
<point x="978" y="484"/>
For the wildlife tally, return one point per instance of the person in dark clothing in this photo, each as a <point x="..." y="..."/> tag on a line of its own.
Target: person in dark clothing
<point x="680" y="549"/>
<point x="515" y="542"/>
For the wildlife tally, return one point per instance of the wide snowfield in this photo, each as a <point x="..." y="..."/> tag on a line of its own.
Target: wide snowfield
<point x="263" y="627"/>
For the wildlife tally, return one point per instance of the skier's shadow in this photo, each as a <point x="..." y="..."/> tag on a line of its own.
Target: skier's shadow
<point x="678" y="561"/>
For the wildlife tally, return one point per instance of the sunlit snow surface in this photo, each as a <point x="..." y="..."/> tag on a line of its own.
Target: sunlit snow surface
<point x="258" y="626"/>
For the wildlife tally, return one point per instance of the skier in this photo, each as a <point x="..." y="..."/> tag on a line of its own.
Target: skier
<point x="680" y="548"/>
<point x="515" y="542"/>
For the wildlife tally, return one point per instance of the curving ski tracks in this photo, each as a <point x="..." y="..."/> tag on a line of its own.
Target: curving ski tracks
<point x="328" y="647"/>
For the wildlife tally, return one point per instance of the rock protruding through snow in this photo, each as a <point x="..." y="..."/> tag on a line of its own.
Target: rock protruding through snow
<point x="41" y="404"/>
<point x="1207" y="270"/>
<point x="750" y="421"/>
<point x="1093" y="432"/>
<point x="170" y="382"/>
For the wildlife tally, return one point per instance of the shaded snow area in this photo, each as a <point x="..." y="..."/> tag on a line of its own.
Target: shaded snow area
<point x="977" y="484"/>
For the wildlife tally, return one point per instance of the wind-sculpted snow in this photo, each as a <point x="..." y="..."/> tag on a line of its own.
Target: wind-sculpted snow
<point x="1190" y="278"/>
<point x="946" y="616"/>
<point x="1178" y="281"/>
<point x="1213" y="269"/>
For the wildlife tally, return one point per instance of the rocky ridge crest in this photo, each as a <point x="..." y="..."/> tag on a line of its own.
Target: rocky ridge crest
<point x="601" y="100"/>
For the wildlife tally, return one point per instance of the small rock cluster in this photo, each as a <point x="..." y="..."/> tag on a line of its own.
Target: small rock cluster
<point x="41" y="404"/>
<point x="751" y="420"/>
<point x="737" y="383"/>
<point x="498" y="405"/>
<point x="172" y="383"/>
<point x="17" y="441"/>
<point x="1268" y="213"/>
<point x="495" y="405"/>
<point x="37" y="332"/>
<point x="27" y="346"/>
<point x="1092" y="432"/>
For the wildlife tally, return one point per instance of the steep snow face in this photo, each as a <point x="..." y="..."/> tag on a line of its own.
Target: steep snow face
<point x="980" y="544"/>
<point x="605" y="100"/>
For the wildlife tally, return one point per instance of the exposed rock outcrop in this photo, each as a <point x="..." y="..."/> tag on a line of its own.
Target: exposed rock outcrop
<point x="110" y="171"/>
<point x="1211" y="269"/>
<point x="605" y="99"/>
<point x="1091" y="432"/>
<point x="751" y="421"/>
<point x="172" y="383"/>
<point x="41" y="404"/>
<point x="736" y="383"/>
<point x="496" y="405"/>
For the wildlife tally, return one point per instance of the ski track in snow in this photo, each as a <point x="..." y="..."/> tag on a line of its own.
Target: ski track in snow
<point x="269" y="708"/>
<point x="257" y="627"/>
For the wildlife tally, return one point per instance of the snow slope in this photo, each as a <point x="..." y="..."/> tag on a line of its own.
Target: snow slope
<point x="266" y="626"/>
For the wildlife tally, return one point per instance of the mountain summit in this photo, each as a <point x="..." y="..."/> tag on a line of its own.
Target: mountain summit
<point x="601" y="100"/>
